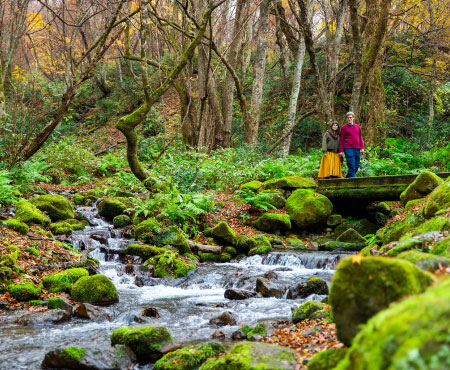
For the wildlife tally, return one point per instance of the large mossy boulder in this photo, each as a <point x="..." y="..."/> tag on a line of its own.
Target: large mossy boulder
<point x="411" y="334"/>
<point x="84" y="358"/>
<point x="306" y="311"/>
<point x="439" y="199"/>
<point x="64" y="280"/>
<point x="145" y="341"/>
<point x="111" y="207"/>
<point x="308" y="208"/>
<point x="290" y="182"/>
<point x="225" y="234"/>
<point x="424" y="184"/>
<point x="253" y="356"/>
<point x="146" y="230"/>
<point x="314" y="285"/>
<point x="25" y="291"/>
<point x="274" y="197"/>
<point x="143" y="251"/>
<point x="189" y="358"/>
<point x="425" y="261"/>
<point x="351" y="236"/>
<point x="17" y="226"/>
<point x="56" y="206"/>
<point x="170" y="263"/>
<point x="97" y="289"/>
<point x="363" y="286"/>
<point x="396" y="229"/>
<point x="30" y="214"/>
<point x="254" y="186"/>
<point x="273" y="222"/>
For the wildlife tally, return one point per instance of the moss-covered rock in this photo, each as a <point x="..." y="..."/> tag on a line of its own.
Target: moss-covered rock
<point x="273" y="222"/>
<point x="411" y="334"/>
<point x="111" y="207"/>
<point x="97" y="289"/>
<point x="10" y="259"/>
<point x="412" y="203"/>
<point x="17" y="226"/>
<point x="438" y="199"/>
<point x="274" y="197"/>
<point x="395" y="230"/>
<point x="434" y="224"/>
<point x="25" y="291"/>
<point x="296" y="243"/>
<point x="63" y="281"/>
<point x="143" y="251"/>
<point x="306" y="310"/>
<point x="363" y="286"/>
<point x="290" y="182"/>
<point x="253" y="356"/>
<point x="224" y="233"/>
<point x="425" y="261"/>
<point x="144" y="340"/>
<point x="61" y="228"/>
<point x="334" y="220"/>
<point x="257" y="244"/>
<point x="78" y="199"/>
<point x="206" y="257"/>
<point x="121" y="221"/>
<point x="254" y="186"/>
<point x="56" y="206"/>
<point x="351" y="236"/>
<point x="5" y="273"/>
<point x="146" y="230"/>
<point x="314" y="285"/>
<point x="424" y="184"/>
<point x="171" y="264"/>
<point x="307" y="208"/>
<point x="189" y="358"/>
<point x="32" y="251"/>
<point x="28" y="213"/>
<point x="327" y="359"/>
<point x="331" y="246"/>
<point x="54" y="303"/>
<point x="442" y="247"/>
<point x="173" y="236"/>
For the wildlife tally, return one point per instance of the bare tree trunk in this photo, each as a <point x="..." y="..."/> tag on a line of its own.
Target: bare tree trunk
<point x="228" y="88"/>
<point x="357" y="55"/>
<point x="286" y="143"/>
<point x="252" y="126"/>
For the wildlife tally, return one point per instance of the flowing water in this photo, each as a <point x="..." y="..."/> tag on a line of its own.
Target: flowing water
<point x="185" y="305"/>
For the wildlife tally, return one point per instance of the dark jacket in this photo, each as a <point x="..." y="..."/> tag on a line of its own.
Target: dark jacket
<point x="329" y="143"/>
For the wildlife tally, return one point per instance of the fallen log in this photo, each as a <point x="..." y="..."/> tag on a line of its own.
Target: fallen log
<point x="204" y="247"/>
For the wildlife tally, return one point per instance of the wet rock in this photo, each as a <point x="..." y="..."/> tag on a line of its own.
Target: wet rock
<point x="148" y="343"/>
<point x="268" y="288"/>
<point x="81" y="358"/>
<point x="313" y="285"/>
<point x="239" y="294"/>
<point x="100" y="238"/>
<point x="138" y="281"/>
<point x="224" y="319"/>
<point x="91" y="312"/>
<point x="270" y="275"/>
<point x="218" y="334"/>
<point x="151" y="312"/>
<point x="111" y="207"/>
<point x="42" y="318"/>
<point x="334" y="220"/>
<point x="97" y="289"/>
<point x="129" y="269"/>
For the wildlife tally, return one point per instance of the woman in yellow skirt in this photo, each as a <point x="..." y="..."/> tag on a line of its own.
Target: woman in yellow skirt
<point x="330" y="166"/>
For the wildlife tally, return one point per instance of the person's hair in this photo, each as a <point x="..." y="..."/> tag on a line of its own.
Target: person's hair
<point x="350" y="113"/>
<point x="334" y="133"/>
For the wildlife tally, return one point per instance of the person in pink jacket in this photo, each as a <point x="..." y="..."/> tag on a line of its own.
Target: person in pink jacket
<point x="351" y="144"/>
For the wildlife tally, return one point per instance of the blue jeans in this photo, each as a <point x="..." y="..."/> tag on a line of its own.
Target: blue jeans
<point x="352" y="156"/>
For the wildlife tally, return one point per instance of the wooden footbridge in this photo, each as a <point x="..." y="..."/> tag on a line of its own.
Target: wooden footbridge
<point x="367" y="189"/>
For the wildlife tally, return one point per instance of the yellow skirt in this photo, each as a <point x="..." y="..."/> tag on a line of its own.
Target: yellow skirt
<point x="330" y="165"/>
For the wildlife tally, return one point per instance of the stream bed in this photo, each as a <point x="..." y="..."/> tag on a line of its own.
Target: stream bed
<point x="185" y="305"/>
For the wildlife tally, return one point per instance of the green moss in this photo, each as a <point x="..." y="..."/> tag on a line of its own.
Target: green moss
<point x="259" y="329"/>
<point x="28" y="213"/>
<point x="9" y="260"/>
<point x="426" y="261"/>
<point x="32" y="251"/>
<point x="331" y="245"/>
<point x="24" y="291"/>
<point x="54" y="303"/>
<point x="424" y="184"/>
<point x="435" y="224"/>
<point x="78" y="199"/>
<point x="170" y="264"/>
<point x="121" y="221"/>
<point x="5" y="273"/>
<point x="17" y="226"/>
<point x="77" y="224"/>
<point x="395" y="230"/>
<point x="173" y="236"/>
<point x="63" y="281"/>
<point x="290" y="182"/>
<point x="307" y="208"/>
<point x="442" y="247"/>
<point x="146" y="230"/>
<point x="225" y="233"/>
<point x="230" y="250"/>
<point x="205" y="257"/>
<point x="254" y="186"/>
<point x="189" y="358"/>
<point x="144" y="340"/>
<point x="438" y="199"/>
<point x="262" y="249"/>
<point x="412" y="203"/>
<point x="111" y="207"/>
<point x="143" y="251"/>
<point x="253" y="356"/>
<point x="56" y="206"/>
<point x="35" y="302"/>
<point x="306" y="310"/>
<point x="225" y="257"/>
<point x="411" y="334"/>
<point x="351" y="236"/>
<point x="327" y="359"/>
<point x="362" y="287"/>
<point x="77" y="353"/>
<point x="61" y="228"/>
<point x="97" y="288"/>
<point x="273" y="222"/>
